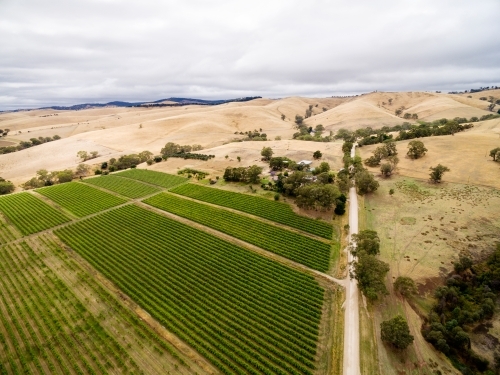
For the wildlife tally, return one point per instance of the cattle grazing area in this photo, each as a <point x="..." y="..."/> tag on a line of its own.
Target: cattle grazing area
<point x="244" y="313"/>
<point x="164" y="180"/>
<point x="275" y="211"/>
<point x="80" y="199"/>
<point x="123" y="186"/>
<point x="44" y="328"/>
<point x="301" y="249"/>
<point x="30" y="214"/>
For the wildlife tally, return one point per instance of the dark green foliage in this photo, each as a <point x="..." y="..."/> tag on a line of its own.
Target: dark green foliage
<point x="468" y="297"/>
<point x="405" y="286"/>
<point x="267" y="153"/>
<point x="396" y="332"/>
<point x="6" y="187"/>
<point x="242" y="174"/>
<point x="340" y="205"/>
<point x="366" y="241"/>
<point x="437" y="173"/>
<point x="317" y="196"/>
<point x="365" y="182"/>
<point x="277" y="163"/>
<point x="494" y="153"/>
<point x="152" y="177"/>
<point x="370" y="273"/>
<point x="123" y="186"/>
<point x="416" y="149"/>
<point x="317" y="154"/>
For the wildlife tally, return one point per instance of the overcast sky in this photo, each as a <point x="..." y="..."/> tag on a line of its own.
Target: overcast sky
<point x="59" y="52"/>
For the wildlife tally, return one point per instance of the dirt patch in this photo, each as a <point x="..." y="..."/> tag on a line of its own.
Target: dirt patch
<point x="408" y="221"/>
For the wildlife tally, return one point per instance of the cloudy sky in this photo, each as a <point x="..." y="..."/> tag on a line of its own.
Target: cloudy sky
<point x="59" y="52"/>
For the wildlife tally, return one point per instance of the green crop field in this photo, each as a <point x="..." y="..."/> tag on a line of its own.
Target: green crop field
<point x="302" y="249"/>
<point x="44" y="328"/>
<point x="80" y="199"/>
<point x="152" y="177"/>
<point x="275" y="211"/>
<point x="123" y="186"/>
<point x="246" y="314"/>
<point x="30" y="214"/>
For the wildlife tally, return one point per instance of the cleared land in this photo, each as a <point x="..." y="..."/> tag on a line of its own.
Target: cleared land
<point x="243" y="312"/>
<point x="307" y="251"/>
<point x="80" y="199"/>
<point x="275" y="211"/>
<point x="123" y="186"/>
<point x="30" y="214"/>
<point x="152" y="177"/>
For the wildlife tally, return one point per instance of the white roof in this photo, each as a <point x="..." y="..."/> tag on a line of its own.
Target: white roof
<point x="306" y="162"/>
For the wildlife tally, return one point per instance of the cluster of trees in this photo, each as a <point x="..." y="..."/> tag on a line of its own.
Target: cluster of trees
<point x="492" y="100"/>
<point x="255" y="135"/>
<point x="241" y="174"/>
<point x="174" y="150"/>
<point x="46" y="178"/>
<point x="189" y="173"/>
<point x="26" y="144"/>
<point x="388" y="152"/>
<point x="6" y="187"/>
<point x="84" y="155"/>
<point x="468" y="297"/>
<point x="353" y="170"/>
<point x="368" y="270"/>
<point x="306" y="133"/>
<point x="124" y="162"/>
<point x="4" y="132"/>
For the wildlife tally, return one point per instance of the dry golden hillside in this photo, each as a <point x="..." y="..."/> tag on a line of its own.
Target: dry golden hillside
<point x="115" y="131"/>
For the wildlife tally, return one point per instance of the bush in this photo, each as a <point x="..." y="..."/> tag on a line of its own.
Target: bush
<point x="97" y="171"/>
<point x="6" y="187"/>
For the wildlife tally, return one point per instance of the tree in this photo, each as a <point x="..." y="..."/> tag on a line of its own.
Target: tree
<point x="340" y="205"/>
<point x="82" y="169"/>
<point x="299" y="120"/>
<point x="365" y="182"/>
<point x="239" y="158"/>
<point x="367" y="241"/>
<point x="398" y="112"/>
<point x="6" y="187"/>
<point x="416" y="149"/>
<point x="83" y="155"/>
<point x="317" y="155"/>
<point x="293" y="182"/>
<point x="318" y="196"/>
<point x="494" y="152"/>
<point x="346" y="147"/>
<point x="405" y="286"/>
<point x="370" y="273"/>
<point x="267" y="153"/>
<point x="386" y="169"/>
<point x="396" y="332"/>
<point x="64" y="176"/>
<point x="253" y="173"/>
<point x="390" y="101"/>
<point x="437" y="173"/>
<point x="324" y="167"/>
<point x="94" y="154"/>
<point x="145" y="156"/>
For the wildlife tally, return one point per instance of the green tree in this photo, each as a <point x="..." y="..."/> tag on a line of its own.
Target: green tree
<point x="494" y="152"/>
<point x="346" y="147"/>
<point x="437" y="172"/>
<point x="145" y="156"/>
<point x="253" y="173"/>
<point x="82" y="169"/>
<point x="239" y="158"/>
<point x="365" y="182"/>
<point x="299" y="120"/>
<point x="367" y="241"/>
<point x="370" y="273"/>
<point x="416" y="149"/>
<point x="6" y="187"/>
<point x="318" y="196"/>
<point x="396" y="332"/>
<point x="324" y="167"/>
<point x="267" y="153"/>
<point x="405" y="286"/>
<point x="64" y="176"/>
<point x="293" y="182"/>
<point x="317" y="154"/>
<point x="283" y="117"/>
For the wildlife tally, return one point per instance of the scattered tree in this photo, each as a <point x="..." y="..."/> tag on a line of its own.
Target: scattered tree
<point x="494" y="152"/>
<point x="386" y="169"/>
<point x="283" y="117"/>
<point x="277" y="138"/>
<point x="82" y="169"/>
<point x="83" y="155"/>
<point x="299" y="120"/>
<point x="437" y="173"/>
<point x="405" y="286"/>
<point x="391" y="192"/>
<point x="317" y="154"/>
<point x="145" y="156"/>
<point x="267" y="153"/>
<point x="239" y="158"/>
<point x="366" y="241"/>
<point x="6" y="187"/>
<point x="416" y="149"/>
<point x="396" y="332"/>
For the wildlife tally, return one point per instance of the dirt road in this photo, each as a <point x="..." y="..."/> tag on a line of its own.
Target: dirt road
<point x="351" y="304"/>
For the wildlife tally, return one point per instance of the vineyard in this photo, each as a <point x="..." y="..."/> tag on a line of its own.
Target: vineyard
<point x="30" y="214"/>
<point x="80" y="199"/>
<point x="304" y="250"/>
<point x="275" y="211"/>
<point x="152" y="177"/>
<point x="44" y="328"/>
<point x="244" y="313"/>
<point x="123" y="186"/>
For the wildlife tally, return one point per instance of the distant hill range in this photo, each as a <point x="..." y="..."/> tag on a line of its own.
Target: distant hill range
<point x="170" y="102"/>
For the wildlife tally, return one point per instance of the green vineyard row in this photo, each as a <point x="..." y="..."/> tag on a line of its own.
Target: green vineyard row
<point x="275" y="211"/>
<point x="301" y="249"/>
<point x="123" y="186"/>
<point x="152" y="177"/>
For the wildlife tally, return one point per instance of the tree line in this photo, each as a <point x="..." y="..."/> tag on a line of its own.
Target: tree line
<point x="27" y="144"/>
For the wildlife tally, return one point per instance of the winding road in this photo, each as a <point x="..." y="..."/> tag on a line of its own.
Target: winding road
<point x="351" y="304"/>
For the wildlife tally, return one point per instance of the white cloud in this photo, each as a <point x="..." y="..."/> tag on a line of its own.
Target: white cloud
<point x="66" y="52"/>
